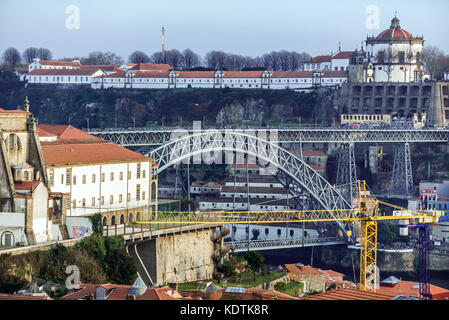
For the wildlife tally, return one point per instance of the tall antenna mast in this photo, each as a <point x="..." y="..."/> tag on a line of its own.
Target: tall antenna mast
<point x="163" y="40"/>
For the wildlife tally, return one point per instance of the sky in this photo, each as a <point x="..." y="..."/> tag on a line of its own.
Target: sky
<point x="247" y="27"/>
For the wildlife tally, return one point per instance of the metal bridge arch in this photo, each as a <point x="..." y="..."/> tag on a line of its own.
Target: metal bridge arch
<point x="297" y="175"/>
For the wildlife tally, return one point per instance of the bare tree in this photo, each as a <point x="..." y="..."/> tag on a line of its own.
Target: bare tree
<point x="191" y="59"/>
<point x="174" y="58"/>
<point x="234" y="62"/>
<point x="98" y="57"/>
<point x="433" y="58"/>
<point x="215" y="59"/>
<point x="12" y="56"/>
<point x="138" y="57"/>
<point x="30" y="54"/>
<point x="271" y="60"/>
<point x="44" y="54"/>
<point x="157" y="57"/>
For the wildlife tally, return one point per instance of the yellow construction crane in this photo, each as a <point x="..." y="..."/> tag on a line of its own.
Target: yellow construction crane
<point x="366" y="214"/>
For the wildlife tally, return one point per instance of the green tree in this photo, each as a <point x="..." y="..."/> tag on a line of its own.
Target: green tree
<point x="386" y="232"/>
<point x="255" y="261"/>
<point x="227" y="268"/>
<point x="120" y="267"/>
<point x="97" y="226"/>
<point x="95" y="246"/>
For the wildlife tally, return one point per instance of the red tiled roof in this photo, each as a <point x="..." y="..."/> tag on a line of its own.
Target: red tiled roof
<point x="350" y="294"/>
<point x="334" y="74"/>
<point x="151" y="66"/>
<point x="319" y="59"/>
<point x="118" y="74"/>
<point x="63" y="72"/>
<point x="302" y="269"/>
<point x="59" y="63"/>
<point x="394" y="34"/>
<point x="242" y="74"/>
<point x="26" y="185"/>
<point x="84" y="153"/>
<point x="343" y="55"/>
<point x="405" y="288"/>
<point x="119" y="292"/>
<point x="291" y="74"/>
<point x="195" y="74"/>
<point x="151" y="74"/>
<point x="16" y="296"/>
<point x="105" y="67"/>
<point x="12" y="111"/>
<point x="66" y="133"/>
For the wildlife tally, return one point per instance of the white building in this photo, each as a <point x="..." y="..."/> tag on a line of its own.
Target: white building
<point x="157" y="76"/>
<point x="396" y="55"/>
<point x="79" y="76"/>
<point x="99" y="177"/>
<point x="49" y="64"/>
<point x="338" y="61"/>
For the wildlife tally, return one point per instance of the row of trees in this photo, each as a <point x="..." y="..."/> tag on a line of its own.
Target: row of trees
<point x="435" y="60"/>
<point x="14" y="58"/>
<point x="186" y="60"/>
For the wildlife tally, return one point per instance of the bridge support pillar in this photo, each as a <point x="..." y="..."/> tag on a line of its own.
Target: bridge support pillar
<point x="346" y="170"/>
<point x="402" y="178"/>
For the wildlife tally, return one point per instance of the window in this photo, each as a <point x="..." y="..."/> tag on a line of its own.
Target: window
<point x="143" y="174"/>
<point x="83" y="202"/>
<point x="381" y="57"/>
<point x="93" y="201"/>
<point x="74" y="180"/>
<point x="62" y="179"/>
<point x="120" y="198"/>
<point x="102" y="177"/>
<point x="138" y="192"/>
<point x="401" y="55"/>
<point x="93" y="178"/>
<point x="84" y="179"/>
<point x="68" y="174"/>
<point x="51" y="177"/>
<point x="67" y="203"/>
<point x="112" y="176"/>
<point x="26" y="175"/>
<point x="138" y="171"/>
<point x="129" y="175"/>
<point x="143" y="195"/>
<point x="74" y="204"/>
<point x="111" y="199"/>
<point x="121" y="175"/>
<point x="102" y="200"/>
<point x="129" y="197"/>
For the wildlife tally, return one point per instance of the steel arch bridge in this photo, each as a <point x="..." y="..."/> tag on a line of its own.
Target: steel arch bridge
<point x="297" y="176"/>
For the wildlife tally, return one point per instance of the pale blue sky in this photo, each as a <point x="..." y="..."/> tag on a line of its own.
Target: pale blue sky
<point x="248" y="27"/>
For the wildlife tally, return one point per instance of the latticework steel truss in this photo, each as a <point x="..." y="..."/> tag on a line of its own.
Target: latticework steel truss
<point x="155" y="137"/>
<point x="402" y="179"/>
<point x="346" y="170"/>
<point x="424" y="260"/>
<point x="368" y="252"/>
<point x="209" y="146"/>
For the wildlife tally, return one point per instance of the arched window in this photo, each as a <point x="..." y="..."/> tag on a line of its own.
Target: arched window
<point x="113" y="221"/>
<point x="138" y="216"/>
<point x="105" y="221"/>
<point x="122" y="219"/>
<point x="130" y="217"/>
<point x="7" y="239"/>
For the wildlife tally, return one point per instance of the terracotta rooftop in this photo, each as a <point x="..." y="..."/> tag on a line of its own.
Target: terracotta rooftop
<point x="195" y="74"/>
<point x="26" y="185"/>
<point x="151" y="66"/>
<point x="242" y="74"/>
<point x="299" y="270"/>
<point x="59" y="63"/>
<point x="120" y="292"/>
<point x="350" y="294"/>
<point x="319" y="59"/>
<point x="343" y="55"/>
<point x="411" y="289"/>
<point x="5" y="296"/>
<point x="63" y="72"/>
<point x="66" y="133"/>
<point x="12" y="111"/>
<point x="86" y="153"/>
